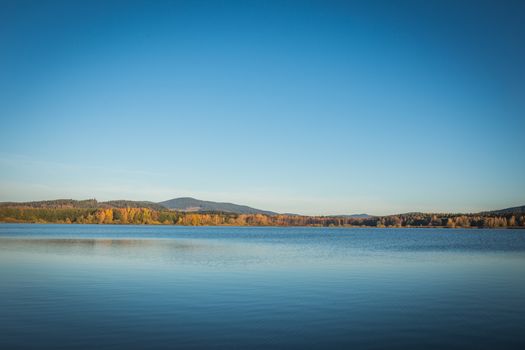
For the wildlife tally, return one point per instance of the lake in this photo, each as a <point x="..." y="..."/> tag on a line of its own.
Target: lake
<point x="103" y="286"/>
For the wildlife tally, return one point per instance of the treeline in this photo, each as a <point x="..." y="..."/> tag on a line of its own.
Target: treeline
<point x="82" y="204"/>
<point x="452" y="220"/>
<point x="147" y="216"/>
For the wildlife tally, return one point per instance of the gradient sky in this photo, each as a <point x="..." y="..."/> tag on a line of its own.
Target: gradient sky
<point x="306" y="107"/>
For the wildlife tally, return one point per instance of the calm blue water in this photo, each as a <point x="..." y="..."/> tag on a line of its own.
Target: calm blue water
<point x="84" y="286"/>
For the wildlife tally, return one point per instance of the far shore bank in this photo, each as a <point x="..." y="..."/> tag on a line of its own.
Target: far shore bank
<point x="269" y="226"/>
<point x="148" y="216"/>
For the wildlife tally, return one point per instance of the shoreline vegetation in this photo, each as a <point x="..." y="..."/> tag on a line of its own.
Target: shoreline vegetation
<point x="138" y="215"/>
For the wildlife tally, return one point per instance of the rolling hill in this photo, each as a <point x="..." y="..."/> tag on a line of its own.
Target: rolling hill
<point x="513" y="210"/>
<point x="82" y="204"/>
<point x="188" y="204"/>
<point x="195" y="205"/>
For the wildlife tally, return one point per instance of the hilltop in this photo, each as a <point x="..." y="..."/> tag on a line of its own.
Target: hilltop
<point x="513" y="210"/>
<point x="189" y="204"/>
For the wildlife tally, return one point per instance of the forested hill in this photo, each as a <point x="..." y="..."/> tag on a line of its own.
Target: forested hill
<point x="195" y="205"/>
<point x="185" y="204"/>
<point x="83" y="204"/>
<point x="188" y="204"/>
<point x="142" y="212"/>
<point x="513" y="210"/>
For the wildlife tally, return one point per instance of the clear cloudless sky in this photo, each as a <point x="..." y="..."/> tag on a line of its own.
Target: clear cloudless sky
<point x="314" y="107"/>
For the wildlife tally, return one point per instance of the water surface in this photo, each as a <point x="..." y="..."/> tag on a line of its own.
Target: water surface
<point x="94" y="286"/>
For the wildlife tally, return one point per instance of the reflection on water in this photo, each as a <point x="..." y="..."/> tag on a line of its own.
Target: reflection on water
<point x="163" y="287"/>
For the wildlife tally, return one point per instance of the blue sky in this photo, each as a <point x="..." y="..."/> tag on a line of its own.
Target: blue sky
<point x="307" y="107"/>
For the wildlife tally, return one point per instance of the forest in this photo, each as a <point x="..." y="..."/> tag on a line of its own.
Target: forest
<point x="148" y="216"/>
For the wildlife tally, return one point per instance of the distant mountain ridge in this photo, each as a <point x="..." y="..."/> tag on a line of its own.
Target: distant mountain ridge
<point x="189" y="204"/>
<point x="512" y="210"/>
<point x="356" y="216"/>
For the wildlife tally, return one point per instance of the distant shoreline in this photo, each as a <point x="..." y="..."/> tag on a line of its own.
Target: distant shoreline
<point x="120" y="213"/>
<point x="269" y="226"/>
